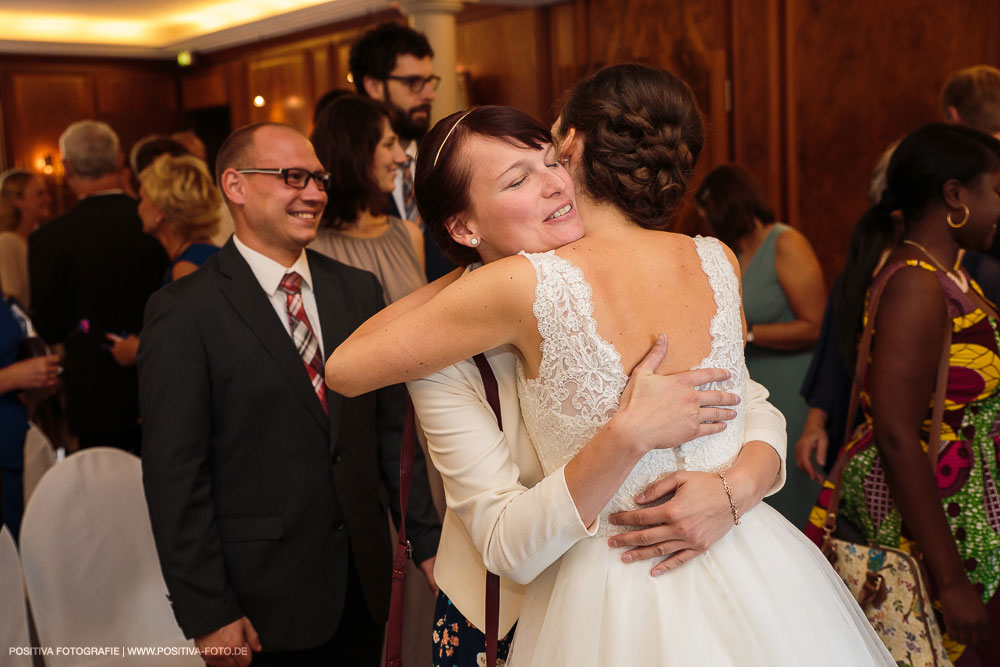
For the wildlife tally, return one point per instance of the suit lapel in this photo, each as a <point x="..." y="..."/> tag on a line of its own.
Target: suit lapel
<point x="252" y="305"/>
<point x="333" y="321"/>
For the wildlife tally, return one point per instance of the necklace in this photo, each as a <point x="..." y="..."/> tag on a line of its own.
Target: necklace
<point x="955" y="274"/>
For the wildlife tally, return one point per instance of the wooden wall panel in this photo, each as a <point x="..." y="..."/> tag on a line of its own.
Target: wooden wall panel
<point x="38" y="106"/>
<point x="860" y="75"/>
<point x="514" y="70"/>
<point x="285" y="83"/>
<point x="204" y="88"/>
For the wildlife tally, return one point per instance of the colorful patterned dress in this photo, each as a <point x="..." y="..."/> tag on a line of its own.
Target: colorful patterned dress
<point x="967" y="466"/>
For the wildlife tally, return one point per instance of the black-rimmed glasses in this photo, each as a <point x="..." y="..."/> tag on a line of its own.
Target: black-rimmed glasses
<point x="416" y="82"/>
<point x="295" y="177"/>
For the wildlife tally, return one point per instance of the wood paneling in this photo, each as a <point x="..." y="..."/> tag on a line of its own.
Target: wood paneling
<point x="205" y="88"/>
<point x="514" y="69"/>
<point x="284" y="81"/>
<point x="38" y="107"/>
<point x="861" y="74"/>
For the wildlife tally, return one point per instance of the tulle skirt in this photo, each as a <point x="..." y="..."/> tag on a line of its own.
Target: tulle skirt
<point x="762" y="595"/>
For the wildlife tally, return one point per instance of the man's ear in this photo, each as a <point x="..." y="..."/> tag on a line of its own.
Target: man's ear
<point x="375" y="88"/>
<point x="462" y="230"/>
<point x="232" y="185"/>
<point x="951" y="115"/>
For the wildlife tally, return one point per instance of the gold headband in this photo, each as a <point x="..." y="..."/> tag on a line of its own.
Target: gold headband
<point x="448" y="136"/>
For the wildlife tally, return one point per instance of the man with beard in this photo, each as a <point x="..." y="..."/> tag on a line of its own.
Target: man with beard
<point x="393" y="64"/>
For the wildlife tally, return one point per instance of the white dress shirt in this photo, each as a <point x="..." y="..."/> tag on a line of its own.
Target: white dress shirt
<point x="269" y="274"/>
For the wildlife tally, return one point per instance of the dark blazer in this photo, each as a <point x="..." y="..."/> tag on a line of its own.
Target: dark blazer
<point x="256" y="496"/>
<point x="94" y="263"/>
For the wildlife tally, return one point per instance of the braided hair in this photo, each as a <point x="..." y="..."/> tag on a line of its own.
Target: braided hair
<point x="643" y="135"/>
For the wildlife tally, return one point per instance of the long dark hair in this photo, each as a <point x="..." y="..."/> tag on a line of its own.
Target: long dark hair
<point x="732" y="198"/>
<point x="923" y="162"/>
<point x="442" y="177"/>
<point x="345" y="137"/>
<point x="643" y="134"/>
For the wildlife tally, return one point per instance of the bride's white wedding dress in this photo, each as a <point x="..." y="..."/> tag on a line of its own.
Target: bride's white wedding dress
<point x="762" y="595"/>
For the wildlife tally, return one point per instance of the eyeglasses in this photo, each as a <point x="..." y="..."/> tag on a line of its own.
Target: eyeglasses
<point x="294" y="177"/>
<point x="416" y="82"/>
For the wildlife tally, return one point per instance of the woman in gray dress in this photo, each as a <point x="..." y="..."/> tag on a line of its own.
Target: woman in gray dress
<point x="355" y="142"/>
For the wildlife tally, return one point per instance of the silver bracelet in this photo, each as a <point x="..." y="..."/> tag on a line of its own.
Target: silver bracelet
<point x="732" y="503"/>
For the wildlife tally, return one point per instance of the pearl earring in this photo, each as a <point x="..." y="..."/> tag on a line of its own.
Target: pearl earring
<point x="473" y="241"/>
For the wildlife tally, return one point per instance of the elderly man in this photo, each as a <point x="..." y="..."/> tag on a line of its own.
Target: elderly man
<point x="267" y="493"/>
<point x="92" y="271"/>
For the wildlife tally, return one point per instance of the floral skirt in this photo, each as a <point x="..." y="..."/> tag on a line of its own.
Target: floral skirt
<point x="458" y="643"/>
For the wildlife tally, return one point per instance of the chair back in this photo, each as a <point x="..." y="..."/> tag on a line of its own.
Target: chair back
<point x="90" y="564"/>
<point x="14" y="641"/>
<point x="39" y="456"/>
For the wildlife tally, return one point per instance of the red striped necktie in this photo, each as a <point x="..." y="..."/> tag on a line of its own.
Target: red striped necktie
<point x="302" y="334"/>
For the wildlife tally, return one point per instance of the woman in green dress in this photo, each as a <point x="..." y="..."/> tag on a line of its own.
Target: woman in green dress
<point x="783" y="297"/>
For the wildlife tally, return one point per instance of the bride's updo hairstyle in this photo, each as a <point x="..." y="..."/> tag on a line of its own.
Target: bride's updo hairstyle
<point x="443" y="172"/>
<point x="642" y="135"/>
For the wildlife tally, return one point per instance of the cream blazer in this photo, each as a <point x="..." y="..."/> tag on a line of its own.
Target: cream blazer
<point x="503" y="513"/>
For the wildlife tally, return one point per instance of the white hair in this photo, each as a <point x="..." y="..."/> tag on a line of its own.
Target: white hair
<point x="91" y="148"/>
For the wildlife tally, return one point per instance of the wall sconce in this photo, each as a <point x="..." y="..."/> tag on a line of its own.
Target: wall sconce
<point x="44" y="165"/>
<point x="258" y="101"/>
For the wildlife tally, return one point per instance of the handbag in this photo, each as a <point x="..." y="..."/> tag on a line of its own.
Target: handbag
<point x="889" y="584"/>
<point x="404" y="550"/>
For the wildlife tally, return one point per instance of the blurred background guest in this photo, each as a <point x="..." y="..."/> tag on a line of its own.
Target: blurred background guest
<point x="36" y="373"/>
<point x="25" y="203"/>
<point x="91" y="271"/>
<point x="179" y="207"/>
<point x="356" y="143"/>
<point x="783" y="296"/>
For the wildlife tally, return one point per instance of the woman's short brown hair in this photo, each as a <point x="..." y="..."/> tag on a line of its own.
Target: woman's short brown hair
<point x="443" y="173"/>
<point x="642" y="132"/>
<point x="182" y="189"/>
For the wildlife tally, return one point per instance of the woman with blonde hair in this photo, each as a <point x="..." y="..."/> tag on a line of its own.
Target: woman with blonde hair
<point x="25" y="203"/>
<point x="179" y="206"/>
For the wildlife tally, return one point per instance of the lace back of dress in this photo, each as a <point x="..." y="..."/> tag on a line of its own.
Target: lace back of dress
<point x="580" y="377"/>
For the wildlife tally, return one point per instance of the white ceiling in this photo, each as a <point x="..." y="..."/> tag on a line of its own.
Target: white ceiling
<point x="162" y="28"/>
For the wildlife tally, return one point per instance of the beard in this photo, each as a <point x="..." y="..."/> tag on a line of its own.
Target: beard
<point x="408" y="126"/>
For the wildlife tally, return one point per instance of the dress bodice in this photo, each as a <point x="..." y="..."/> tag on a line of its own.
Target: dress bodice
<point x="581" y="379"/>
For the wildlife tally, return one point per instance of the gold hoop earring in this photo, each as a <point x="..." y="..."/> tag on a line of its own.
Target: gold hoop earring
<point x="956" y="225"/>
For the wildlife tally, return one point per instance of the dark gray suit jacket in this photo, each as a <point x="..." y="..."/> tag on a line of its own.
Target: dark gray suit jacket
<point x="255" y="495"/>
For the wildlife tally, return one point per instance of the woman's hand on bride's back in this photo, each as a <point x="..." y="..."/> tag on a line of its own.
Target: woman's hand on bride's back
<point x="663" y="411"/>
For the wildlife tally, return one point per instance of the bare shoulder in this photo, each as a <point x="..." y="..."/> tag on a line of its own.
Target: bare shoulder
<point x="793" y="243"/>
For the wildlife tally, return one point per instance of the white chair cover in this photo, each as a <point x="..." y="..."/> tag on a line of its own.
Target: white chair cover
<point x="39" y="456"/>
<point x="90" y="564"/>
<point x="14" y="619"/>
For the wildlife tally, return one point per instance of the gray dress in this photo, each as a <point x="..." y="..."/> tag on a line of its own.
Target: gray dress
<point x="391" y="257"/>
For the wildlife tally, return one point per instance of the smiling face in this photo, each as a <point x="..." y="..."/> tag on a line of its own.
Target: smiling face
<point x="984" y="212"/>
<point x="388" y="158"/>
<point x="35" y="202"/>
<point x="271" y="217"/>
<point x="522" y="199"/>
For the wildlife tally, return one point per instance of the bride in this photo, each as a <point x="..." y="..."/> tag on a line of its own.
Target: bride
<point x="580" y="318"/>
